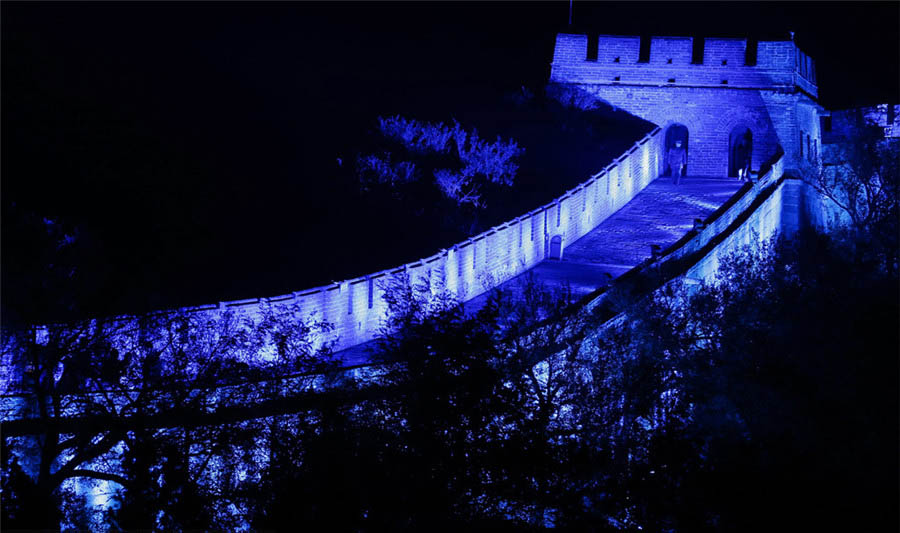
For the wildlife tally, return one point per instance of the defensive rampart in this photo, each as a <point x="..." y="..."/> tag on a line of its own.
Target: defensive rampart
<point x="622" y="71"/>
<point x="356" y="307"/>
<point x="677" y="62"/>
<point x="717" y="93"/>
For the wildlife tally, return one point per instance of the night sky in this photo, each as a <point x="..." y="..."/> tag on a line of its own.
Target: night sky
<point x="194" y="144"/>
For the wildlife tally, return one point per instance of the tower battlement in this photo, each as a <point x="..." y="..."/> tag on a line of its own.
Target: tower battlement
<point x="683" y="62"/>
<point x="723" y="98"/>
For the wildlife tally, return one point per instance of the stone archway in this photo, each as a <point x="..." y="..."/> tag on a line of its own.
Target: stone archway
<point x="740" y="150"/>
<point x="675" y="132"/>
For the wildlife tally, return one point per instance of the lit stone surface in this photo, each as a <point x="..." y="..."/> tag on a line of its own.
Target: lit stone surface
<point x="735" y="104"/>
<point x="713" y="96"/>
<point x="661" y="214"/>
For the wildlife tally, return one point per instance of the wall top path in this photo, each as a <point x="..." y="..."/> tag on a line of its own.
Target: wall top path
<point x="414" y="265"/>
<point x="675" y="61"/>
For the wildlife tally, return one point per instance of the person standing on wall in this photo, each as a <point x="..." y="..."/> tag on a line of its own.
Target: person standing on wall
<point x="744" y="171"/>
<point x="677" y="159"/>
<point x="743" y="151"/>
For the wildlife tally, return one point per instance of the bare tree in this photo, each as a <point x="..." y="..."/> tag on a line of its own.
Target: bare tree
<point x="80" y="394"/>
<point x="859" y="175"/>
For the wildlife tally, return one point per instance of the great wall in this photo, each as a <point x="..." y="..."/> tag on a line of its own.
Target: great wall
<point x="709" y="94"/>
<point x="627" y="219"/>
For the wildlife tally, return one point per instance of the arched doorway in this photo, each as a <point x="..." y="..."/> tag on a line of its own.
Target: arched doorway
<point x="556" y="247"/>
<point x="740" y="150"/>
<point x="675" y="132"/>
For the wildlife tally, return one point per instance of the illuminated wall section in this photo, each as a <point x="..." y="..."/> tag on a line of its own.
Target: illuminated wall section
<point x="712" y="93"/>
<point x="356" y="307"/>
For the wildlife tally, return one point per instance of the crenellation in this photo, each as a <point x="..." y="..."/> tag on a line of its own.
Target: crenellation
<point x="760" y="98"/>
<point x="778" y="63"/>
<point x="671" y="51"/>
<point x="725" y="52"/>
<point x="611" y="48"/>
<point x="772" y="102"/>
<point x="775" y="55"/>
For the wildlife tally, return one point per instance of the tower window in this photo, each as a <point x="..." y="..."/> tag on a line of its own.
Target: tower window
<point x="616" y="60"/>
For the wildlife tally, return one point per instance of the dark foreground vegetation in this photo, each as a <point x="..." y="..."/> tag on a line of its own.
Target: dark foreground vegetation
<point x="766" y="402"/>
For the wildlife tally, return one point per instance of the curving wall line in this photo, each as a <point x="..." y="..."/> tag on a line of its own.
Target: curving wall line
<point x="356" y="307"/>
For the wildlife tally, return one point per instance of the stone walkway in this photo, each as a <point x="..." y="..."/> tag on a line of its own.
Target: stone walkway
<point x="661" y="214"/>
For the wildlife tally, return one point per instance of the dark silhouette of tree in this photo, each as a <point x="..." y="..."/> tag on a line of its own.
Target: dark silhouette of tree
<point x="121" y="375"/>
<point x="859" y="176"/>
<point x="749" y="404"/>
<point x="786" y="377"/>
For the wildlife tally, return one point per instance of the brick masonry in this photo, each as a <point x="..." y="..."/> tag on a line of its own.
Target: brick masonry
<point x="775" y="98"/>
<point x="356" y="308"/>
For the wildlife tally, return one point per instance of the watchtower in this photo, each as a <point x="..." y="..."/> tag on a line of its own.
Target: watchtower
<point x="726" y="99"/>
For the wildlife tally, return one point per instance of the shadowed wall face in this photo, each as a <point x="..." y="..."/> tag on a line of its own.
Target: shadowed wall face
<point x="712" y="87"/>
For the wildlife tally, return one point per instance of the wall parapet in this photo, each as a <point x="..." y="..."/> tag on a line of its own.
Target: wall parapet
<point x="717" y="223"/>
<point x="356" y="307"/>
<point x="676" y="62"/>
<point x="755" y="214"/>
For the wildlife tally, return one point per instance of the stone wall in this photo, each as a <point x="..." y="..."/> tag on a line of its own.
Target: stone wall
<point x="710" y="116"/>
<point x="777" y="214"/>
<point x="773" y="98"/>
<point x="778" y="63"/>
<point x="356" y="307"/>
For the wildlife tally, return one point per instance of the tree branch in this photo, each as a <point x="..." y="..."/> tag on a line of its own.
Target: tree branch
<point x="86" y="454"/>
<point x="99" y="475"/>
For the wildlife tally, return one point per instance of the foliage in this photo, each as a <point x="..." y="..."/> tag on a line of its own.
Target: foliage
<point x="747" y="404"/>
<point x="379" y="169"/>
<point x="860" y="175"/>
<point x="778" y="369"/>
<point x="110" y="400"/>
<point x="464" y="165"/>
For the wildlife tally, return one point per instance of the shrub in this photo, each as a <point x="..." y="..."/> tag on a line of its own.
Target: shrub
<point x="477" y="162"/>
